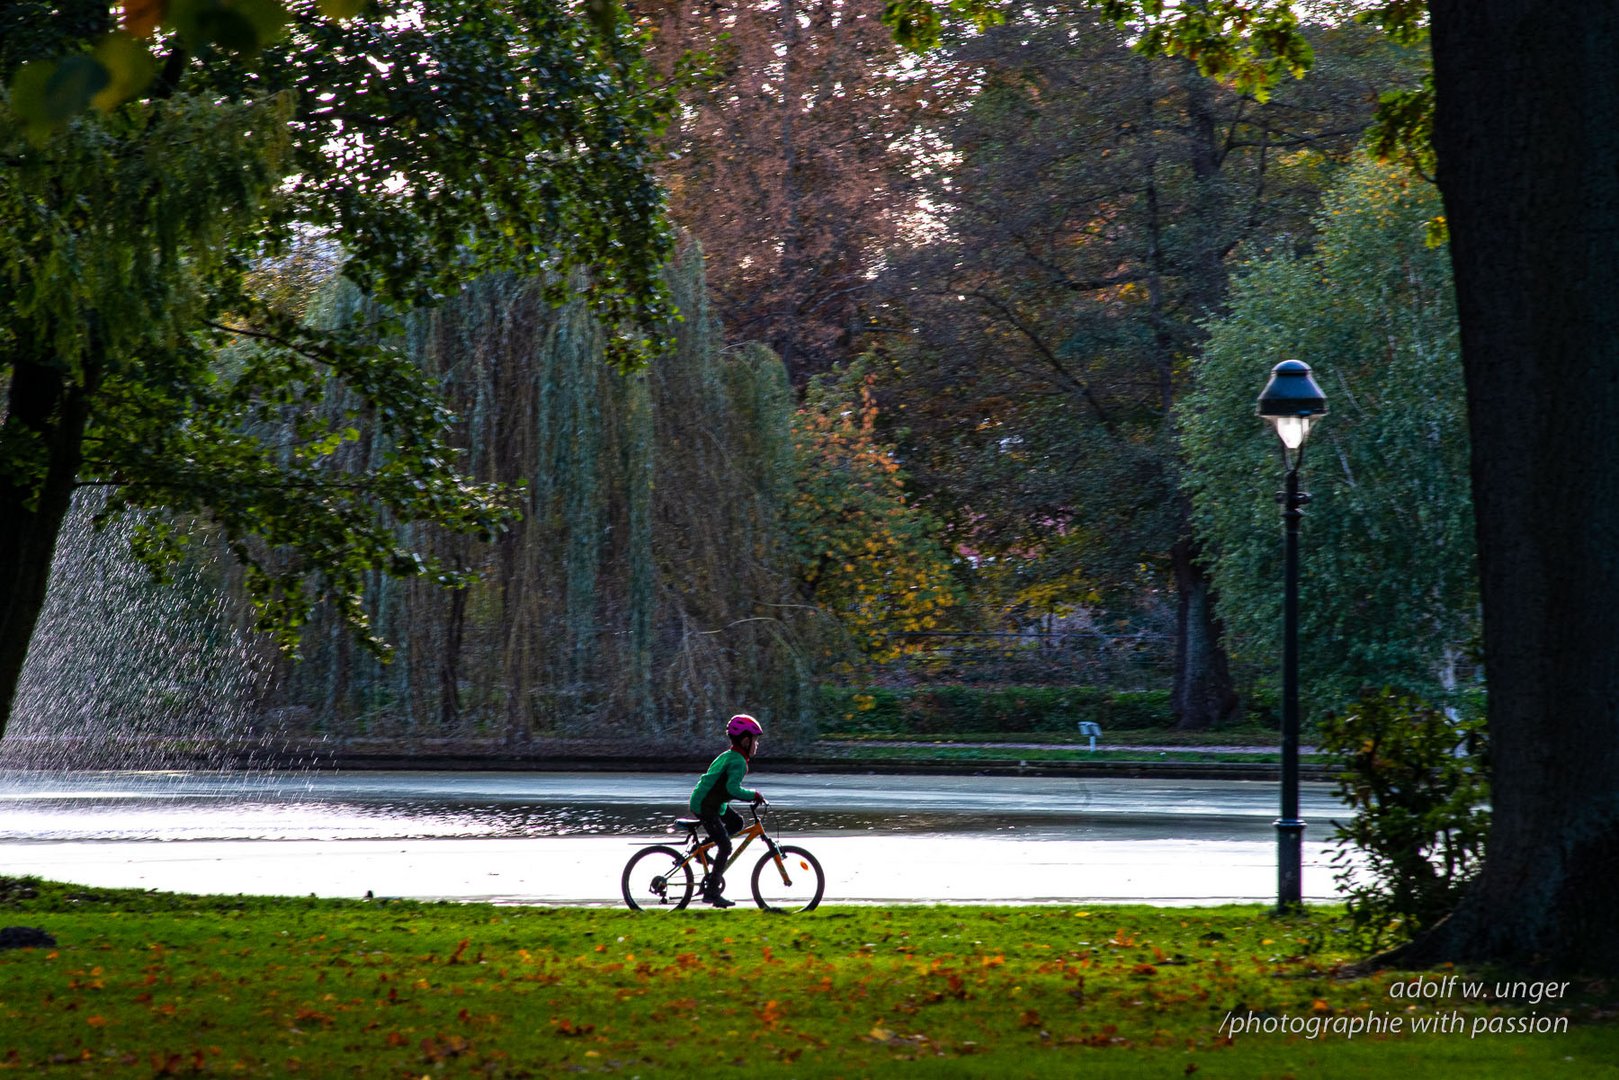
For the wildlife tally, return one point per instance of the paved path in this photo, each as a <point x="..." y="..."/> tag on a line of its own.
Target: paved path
<point x="586" y="870"/>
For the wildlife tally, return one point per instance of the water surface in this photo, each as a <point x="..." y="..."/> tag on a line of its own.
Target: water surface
<point x="563" y="837"/>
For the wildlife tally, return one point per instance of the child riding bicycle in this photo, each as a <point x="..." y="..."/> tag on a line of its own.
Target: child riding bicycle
<point x="710" y="800"/>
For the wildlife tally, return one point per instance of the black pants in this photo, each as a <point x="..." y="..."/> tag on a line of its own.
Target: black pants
<point x="720" y="827"/>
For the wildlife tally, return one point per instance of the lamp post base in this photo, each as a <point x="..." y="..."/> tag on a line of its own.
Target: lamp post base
<point x="1289" y="864"/>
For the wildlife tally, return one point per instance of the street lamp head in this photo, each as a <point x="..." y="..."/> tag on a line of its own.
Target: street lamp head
<point x="1292" y="402"/>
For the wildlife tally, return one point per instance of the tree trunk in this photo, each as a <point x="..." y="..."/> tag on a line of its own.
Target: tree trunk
<point x="46" y="413"/>
<point x="1204" y="695"/>
<point x="1529" y="170"/>
<point x="449" y="671"/>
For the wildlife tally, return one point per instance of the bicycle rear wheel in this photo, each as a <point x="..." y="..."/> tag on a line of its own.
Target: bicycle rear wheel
<point x="792" y="883"/>
<point x="657" y="878"/>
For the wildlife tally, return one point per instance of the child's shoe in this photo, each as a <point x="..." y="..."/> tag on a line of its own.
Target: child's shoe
<point x="712" y="894"/>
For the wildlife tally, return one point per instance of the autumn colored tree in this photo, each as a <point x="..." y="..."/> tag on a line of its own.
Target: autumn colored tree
<point x="864" y="554"/>
<point x="791" y="160"/>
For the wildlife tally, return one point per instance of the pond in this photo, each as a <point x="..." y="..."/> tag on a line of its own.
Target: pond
<point x="563" y="837"/>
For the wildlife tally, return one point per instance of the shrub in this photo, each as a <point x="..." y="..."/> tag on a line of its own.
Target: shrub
<point x="965" y="710"/>
<point x="1417" y="779"/>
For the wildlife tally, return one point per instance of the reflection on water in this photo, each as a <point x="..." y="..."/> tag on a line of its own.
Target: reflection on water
<point x="220" y="818"/>
<point x="39" y="806"/>
<point x="202" y="806"/>
<point x="223" y="818"/>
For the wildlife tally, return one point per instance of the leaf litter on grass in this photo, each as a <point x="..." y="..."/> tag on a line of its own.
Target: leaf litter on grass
<point x="274" y="987"/>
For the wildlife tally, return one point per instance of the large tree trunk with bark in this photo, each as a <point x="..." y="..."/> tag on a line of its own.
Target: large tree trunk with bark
<point x="1529" y="168"/>
<point x="45" y="420"/>
<point x="1204" y="694"/>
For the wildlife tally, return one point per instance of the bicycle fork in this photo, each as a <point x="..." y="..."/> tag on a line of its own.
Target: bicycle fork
<point x="780" y="860"/>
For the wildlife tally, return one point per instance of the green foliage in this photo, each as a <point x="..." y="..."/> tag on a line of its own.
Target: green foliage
<point x="129" y="287"/>
<point x="468" y="137"/>
<point x="437" y="143"/>
<point x="924" y="24"/>
<point x="1254" y="44"/>
<point x="1418" y="781"/>
<point x="1404" y="127"/>
<point x="52" y="89"/>
<point x="1250" y="45"/>
<point x="1093" y="196"/>
<point x="647" y="588"/>
<point x="963" y="710"/>
<point x="1372" y="310"/>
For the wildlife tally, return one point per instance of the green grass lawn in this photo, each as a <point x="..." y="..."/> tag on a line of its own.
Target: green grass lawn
<point x="144" y="984"/>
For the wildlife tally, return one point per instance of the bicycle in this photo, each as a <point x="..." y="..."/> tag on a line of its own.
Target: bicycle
<point x="785" y="879"/>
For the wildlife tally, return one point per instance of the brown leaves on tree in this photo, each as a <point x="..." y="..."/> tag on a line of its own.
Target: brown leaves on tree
<point x="791" y="164"/>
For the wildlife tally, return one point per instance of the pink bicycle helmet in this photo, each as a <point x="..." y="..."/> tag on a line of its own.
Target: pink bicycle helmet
<point x="742" y="724"/>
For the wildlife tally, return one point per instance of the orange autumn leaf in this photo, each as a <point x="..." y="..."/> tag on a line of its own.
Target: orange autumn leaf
<point x="141" y="17"/>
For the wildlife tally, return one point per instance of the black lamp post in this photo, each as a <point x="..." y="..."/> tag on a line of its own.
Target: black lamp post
<point x="1293" y="403"/>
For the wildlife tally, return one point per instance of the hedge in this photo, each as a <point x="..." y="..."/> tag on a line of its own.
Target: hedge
<point x="962" y="710"/>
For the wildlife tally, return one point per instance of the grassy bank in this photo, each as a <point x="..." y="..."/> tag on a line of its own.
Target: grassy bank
<point x="146" y="984"/>
<point x="876" y="750"/>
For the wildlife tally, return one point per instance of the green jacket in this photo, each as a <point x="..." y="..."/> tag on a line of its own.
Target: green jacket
<point x="725" y="776"/>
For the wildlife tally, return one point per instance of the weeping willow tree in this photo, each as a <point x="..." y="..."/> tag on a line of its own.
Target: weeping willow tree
<point x="647" y="589"/>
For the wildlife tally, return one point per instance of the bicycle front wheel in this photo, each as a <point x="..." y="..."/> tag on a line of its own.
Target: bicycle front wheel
<point x="788" y="879"/>
<point x="657" y="878"/>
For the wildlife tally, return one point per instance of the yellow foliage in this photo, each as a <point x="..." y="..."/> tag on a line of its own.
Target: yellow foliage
<point x="872" y="559"/>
